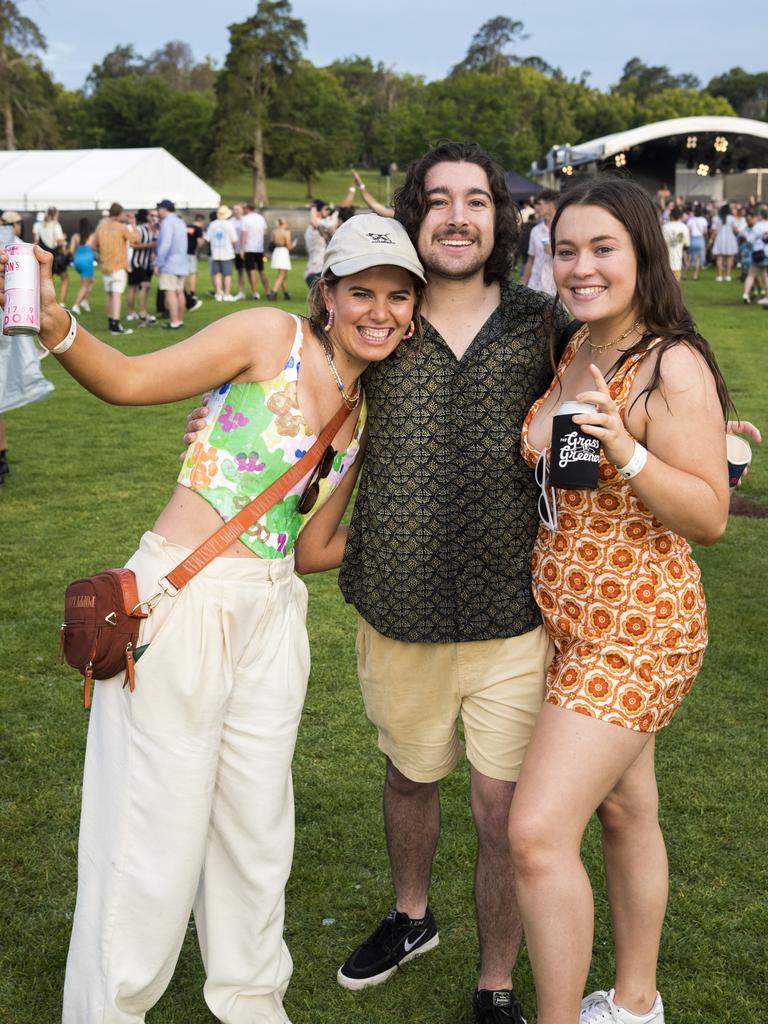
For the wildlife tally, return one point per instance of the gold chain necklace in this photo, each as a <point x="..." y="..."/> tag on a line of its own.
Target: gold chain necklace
<point x="349" y="400"/>
<point x="617" y="341"/>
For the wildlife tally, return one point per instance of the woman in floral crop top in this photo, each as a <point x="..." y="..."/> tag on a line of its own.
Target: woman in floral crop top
<point x="187" y="797"/>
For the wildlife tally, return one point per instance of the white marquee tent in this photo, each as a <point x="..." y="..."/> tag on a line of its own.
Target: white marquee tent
<point x="92" y="179"/>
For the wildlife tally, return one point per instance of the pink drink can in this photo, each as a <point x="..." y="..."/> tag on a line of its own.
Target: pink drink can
<point x="21" y="309"/>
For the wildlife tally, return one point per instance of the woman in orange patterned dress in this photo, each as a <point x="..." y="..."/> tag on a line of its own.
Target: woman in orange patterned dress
<point x="621" y="596"/>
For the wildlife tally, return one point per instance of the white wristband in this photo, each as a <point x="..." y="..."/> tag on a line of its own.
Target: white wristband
<point x="361" y="186"/>
<point x="635" y="464"/>
<point x="68" y="341"/>
<point x="352" y="188"/>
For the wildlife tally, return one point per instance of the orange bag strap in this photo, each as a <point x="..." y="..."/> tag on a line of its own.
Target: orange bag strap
<point x="178" y="577"/>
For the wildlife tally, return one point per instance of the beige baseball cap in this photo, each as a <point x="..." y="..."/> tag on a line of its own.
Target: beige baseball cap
<point x="11" y="217"/>
<point x="368" y="240"/>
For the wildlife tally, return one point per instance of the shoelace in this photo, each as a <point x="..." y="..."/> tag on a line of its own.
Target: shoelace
<point x="595" y="1010"/>
<point x="388" y="935"/>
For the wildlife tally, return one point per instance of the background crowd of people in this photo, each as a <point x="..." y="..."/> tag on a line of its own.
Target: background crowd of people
<point x="156" y="244"/>
<point x="732" y="237"/>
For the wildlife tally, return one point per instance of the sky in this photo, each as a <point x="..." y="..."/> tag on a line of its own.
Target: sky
<point x="598" y="36"/>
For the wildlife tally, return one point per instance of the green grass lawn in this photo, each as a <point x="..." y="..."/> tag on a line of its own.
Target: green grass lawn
<point x="330" y="186"/>
<point x="86" y="480"/>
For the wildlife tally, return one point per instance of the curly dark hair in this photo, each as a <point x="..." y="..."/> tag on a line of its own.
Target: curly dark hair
<point x="658" y="298"/>
<point x="411" y="204"/>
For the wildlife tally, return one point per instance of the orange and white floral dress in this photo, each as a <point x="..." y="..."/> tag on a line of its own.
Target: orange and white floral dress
<point x="620" y="595"/>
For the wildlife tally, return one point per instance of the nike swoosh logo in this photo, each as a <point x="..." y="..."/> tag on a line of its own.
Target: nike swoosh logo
<point x="408" y="946"/>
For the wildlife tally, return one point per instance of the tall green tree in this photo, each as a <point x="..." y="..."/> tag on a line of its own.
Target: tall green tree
<point x="374" y="90"/>
<point x="488" y="50"/>
<point x="747" y="93"/>
<point x="35" y="106"/>
<point x="263" y="51"/>
<point x="143" y="110"/>
<point x="184" y="128"/>
<point x="122" y="62"/>
<point x="671" y="103"/>
<point x="19" y="39"/>
<point x="124" y="112"/>
<point x="175" y="64"/>
<point x="643" y="80"/>
<point x="313" y="126"/>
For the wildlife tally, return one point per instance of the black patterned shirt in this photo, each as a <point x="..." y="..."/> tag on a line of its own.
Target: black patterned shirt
<point x="441" y="536"/>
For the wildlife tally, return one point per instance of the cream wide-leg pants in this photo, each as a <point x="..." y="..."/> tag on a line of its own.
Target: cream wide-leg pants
<point x="187" y="797"/>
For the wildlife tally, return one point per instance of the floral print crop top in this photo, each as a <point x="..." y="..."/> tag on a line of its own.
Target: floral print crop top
<point x="254" y="433"/>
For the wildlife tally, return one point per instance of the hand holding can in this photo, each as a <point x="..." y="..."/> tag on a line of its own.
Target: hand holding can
<point x="574" y="459"/>
<point x="605" y="423"/>
<point x="39" y="269"/>
<point x="21" y="291"/>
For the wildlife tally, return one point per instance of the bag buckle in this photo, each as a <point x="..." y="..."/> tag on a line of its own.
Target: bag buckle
<point x="166" y="588"/>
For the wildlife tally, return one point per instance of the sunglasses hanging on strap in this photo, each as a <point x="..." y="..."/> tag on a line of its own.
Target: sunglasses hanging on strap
<point x="102" y="613"/>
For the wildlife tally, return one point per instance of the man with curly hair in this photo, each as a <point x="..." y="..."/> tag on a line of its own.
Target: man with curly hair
<point x="437" y="560"/>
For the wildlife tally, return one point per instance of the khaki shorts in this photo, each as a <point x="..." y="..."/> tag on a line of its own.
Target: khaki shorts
<point x="116" y="281"/>
<point x="170" y="282"/>
<point x="414" y="694"/>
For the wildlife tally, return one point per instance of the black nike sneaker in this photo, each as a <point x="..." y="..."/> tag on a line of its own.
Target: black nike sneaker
<point x="497" y="1007"/>
<point x="398" y="939"/>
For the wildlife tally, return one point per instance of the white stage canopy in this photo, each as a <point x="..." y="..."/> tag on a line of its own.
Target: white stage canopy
<point x="609" y="145"/>
<point x="93" y="179"/>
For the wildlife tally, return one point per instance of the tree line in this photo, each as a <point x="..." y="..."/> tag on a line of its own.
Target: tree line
<point x="271" y="110"/>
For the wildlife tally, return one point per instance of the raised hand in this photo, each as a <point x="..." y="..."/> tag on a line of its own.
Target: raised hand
<point x="605" y="424"/>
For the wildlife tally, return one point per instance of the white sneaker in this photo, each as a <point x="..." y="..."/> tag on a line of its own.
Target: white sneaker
<point x="728" y="277"/>
<point x="76" y="309"/>
<point x="599" y="1008"/>
<point x="762" y="302"/>
<point x="239" y="296"/>
<point x="132" y="316"/>
<point x="718" y="279"/>
<point x="219" y="298"/>
<point x="229" y="298"/>
<point x="85" y="304"/>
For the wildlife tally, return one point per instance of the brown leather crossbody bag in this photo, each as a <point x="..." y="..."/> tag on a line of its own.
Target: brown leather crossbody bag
<point x="103" y="613"/>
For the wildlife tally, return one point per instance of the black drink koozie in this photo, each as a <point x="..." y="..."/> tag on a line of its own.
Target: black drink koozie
<point x="574" y="458"/>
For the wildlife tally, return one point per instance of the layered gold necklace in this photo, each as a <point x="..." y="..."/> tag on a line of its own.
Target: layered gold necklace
<point x="349" y="400"/>
<point x="636" y="326"/>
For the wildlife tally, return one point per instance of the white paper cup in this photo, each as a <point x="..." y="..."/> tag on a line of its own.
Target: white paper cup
<point x="739" y="457"/>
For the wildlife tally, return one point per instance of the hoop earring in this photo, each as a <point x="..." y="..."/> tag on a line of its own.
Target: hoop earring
<point x="410" y="332"/>
<point x="329" y="322"/>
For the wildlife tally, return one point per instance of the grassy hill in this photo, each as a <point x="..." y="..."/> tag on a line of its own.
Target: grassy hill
<point x="331" y="186"/>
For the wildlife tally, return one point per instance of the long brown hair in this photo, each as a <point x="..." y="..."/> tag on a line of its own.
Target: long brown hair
<point x="658" y="299"/>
